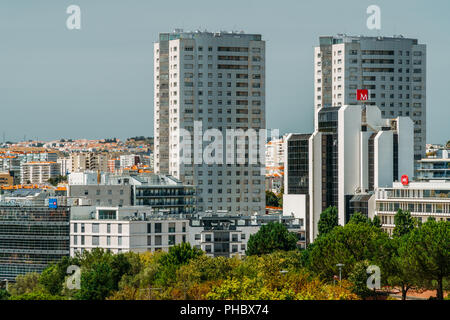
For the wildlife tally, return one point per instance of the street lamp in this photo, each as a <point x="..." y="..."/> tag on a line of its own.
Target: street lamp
<point x="340" y="265"/>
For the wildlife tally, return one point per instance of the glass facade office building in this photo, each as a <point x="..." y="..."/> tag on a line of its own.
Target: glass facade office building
<point x="31" y="237"/>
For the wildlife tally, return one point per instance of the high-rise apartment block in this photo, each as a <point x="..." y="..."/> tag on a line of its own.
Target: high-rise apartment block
<point x="393" y="69"/>
<point x="217" y="80"/>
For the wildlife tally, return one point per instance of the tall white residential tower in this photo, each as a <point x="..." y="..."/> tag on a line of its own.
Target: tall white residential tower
<point x="393" y="69"/>
<point x="217" y="80"/>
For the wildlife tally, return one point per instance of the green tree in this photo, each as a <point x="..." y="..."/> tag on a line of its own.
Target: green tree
<point x="395" y="268"/>
<point x="97" y="282"/>
<point x="426" y="249"/>
<point x="280" y="197"/>
<point x="120" y="266"/>
<point x="4" y="295"/>
<point x="404" y="223"/>
<point x="51" y="281"/>
<point x="24" y="284"/>
<point x="358" y="217"/>
<point x="56" y="180"/>
<point x="177" y="256"/>
<point x="36" y="295"/>
<point x="328" y="220"/>
<point x="53" y="278"/>
<point x="376" y="222"/>
<point x="358" y="279"/>
<point x="350" y="244"/>
<point x="269" y="238"/>
<point x="271" y="199"/>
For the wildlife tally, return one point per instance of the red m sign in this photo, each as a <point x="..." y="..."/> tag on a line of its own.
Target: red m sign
<point x="362" y="94"/>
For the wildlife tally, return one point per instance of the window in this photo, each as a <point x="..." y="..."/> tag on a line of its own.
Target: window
<point x="95" y="228"/>
<point x="82" y="228"/>
<point x="158" y="228"/>
<point x="119" y="226"/>
<point x="172" y="227"/>
<point x="108" y="228"/>
<point x="171" y="240"/>
<point x="119" y="241"/>
<point x="95" y="240"/>
<point x="149" y="240"/>
<point x="158" y="240"/>
<point x="75" y="227"/>
<point x="149" y="228"/>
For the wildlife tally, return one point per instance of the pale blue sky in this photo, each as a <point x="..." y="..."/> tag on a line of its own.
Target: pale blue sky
<point x="98" y="82"/>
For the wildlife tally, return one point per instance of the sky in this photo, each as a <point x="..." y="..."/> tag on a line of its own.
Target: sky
<point x="97" y="82"/>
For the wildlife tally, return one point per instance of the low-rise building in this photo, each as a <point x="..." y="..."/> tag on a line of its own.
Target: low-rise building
<point x="140" y="229"/>
<point x="162" y="193"/>
<point x="124" y="229"/>
<point x="434" y="168"/>
<point x="422" y="199"/>
<point x="223" y="234"/>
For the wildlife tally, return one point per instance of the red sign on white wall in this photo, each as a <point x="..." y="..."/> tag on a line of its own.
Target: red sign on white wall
<point x="405" y="180"/>
<point x="362" y="94"/>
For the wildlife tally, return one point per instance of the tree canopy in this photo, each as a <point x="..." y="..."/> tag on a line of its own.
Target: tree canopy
<point x="328" y="220"/>
<point x="269" y="238"/>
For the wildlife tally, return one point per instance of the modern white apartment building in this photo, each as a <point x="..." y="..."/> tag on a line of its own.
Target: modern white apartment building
<point x="352" y="152"/>
<point x="129" y="160"/>
<point x="393" y="69"/>
<point x="422" y="199"/>
<point x="226" y="235"/>
<point x="275" y="152"/>
<point x="124" y="229"/>
<point x="433" y="168"/>
<point x="65" y="165"/>
<point x="139" y="229"/>
<point x="216" y="80"/>
<point x="39" y="172"/>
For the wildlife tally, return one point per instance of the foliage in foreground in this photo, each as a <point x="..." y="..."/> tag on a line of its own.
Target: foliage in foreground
<point x="417" y="256"/>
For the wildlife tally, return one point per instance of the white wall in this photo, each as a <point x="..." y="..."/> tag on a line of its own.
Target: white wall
<point x="349" y="126"/>
<point x="405" y="127"/>
<point x="364" y="161"/>
<point x="296" y="205"/>
<point x="383" y="159"/>
<point x="82" y="178"/>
